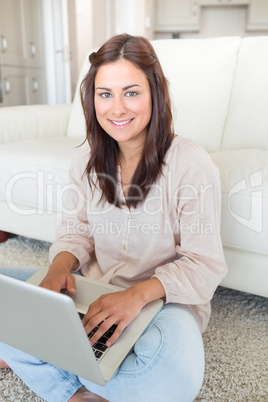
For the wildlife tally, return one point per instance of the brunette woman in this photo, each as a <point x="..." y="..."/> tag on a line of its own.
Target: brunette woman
<point x="148" y="220"/>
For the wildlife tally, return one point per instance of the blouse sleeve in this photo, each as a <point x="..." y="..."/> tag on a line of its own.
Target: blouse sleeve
<point x="193" y="277"/>
<point x="73" y="230"/>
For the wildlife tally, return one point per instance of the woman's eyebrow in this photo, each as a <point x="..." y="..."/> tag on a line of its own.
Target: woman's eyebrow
<point x="131" y="86"/>
<point x="104" y="89"/>
<point x="124" y="89"/>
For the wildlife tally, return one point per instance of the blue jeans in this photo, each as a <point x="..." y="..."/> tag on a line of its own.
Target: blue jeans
<point x="167" y="364"/>
<point x="18" y="272"/>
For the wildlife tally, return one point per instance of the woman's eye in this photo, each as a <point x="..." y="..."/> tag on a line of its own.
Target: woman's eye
<point x="131" y="93"/>
<point x="106" y="95"/>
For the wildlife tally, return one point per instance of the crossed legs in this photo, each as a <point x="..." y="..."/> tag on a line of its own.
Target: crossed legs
<point x="167" y="363"/>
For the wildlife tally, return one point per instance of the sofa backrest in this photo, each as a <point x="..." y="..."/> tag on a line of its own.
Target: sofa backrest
<point x="200" y="74"/>
<point x="247" y="122"/>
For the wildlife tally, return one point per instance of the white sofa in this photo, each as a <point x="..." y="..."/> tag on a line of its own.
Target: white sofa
<point x="219" y="89"/>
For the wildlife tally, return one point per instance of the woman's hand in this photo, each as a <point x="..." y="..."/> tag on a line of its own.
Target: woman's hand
<point x="120" y="308"/>
<point x="59" y="276"/>
<point x="58" y="279"/>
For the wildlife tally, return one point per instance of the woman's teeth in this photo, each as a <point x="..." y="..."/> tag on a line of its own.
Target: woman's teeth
<point x="121" y="123"/>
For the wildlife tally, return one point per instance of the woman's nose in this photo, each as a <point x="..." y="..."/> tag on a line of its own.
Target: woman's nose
<point x="119" y="107"/>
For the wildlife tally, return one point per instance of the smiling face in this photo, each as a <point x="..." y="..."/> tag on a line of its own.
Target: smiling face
<point x="123" y="101"/>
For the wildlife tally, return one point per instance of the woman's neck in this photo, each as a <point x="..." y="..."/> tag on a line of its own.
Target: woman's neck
<point x="129" y="153"/>
<point x="128" y="161"/>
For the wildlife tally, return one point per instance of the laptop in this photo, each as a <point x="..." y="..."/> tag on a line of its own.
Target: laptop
<point x="47" y="325"/>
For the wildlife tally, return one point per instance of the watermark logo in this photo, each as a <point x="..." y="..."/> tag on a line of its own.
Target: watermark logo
<point x="255" y="220"/>
<point x="158" y="228"/>
<point x="189" y="205"/>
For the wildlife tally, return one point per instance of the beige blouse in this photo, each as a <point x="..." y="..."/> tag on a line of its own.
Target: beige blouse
<point x="174" y="235"/>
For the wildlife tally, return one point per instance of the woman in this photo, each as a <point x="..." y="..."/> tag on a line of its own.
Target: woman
<point x="145" y="216"/>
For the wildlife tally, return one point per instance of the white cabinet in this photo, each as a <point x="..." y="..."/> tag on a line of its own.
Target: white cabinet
<point x="258" y="15"/>
<point x="21" y="32"/>
<point x="14" y="86"/>
<point x="224" y="2"/>
<point x="36" y="87"/>
<point x="34" y="32"/>
<point x="22" y="86"/>
<point x="12" y="32"/>
<point x="174" y="16"/>
<point x="21" y="52"/>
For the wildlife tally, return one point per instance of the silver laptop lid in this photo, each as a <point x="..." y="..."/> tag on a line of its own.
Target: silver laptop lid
<point x="46" y="324"/>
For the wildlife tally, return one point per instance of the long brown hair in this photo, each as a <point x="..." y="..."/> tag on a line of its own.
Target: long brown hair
<point x="104" y="154"/>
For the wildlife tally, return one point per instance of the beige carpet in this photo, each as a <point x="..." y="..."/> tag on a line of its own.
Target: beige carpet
<point x="236" y="341"/>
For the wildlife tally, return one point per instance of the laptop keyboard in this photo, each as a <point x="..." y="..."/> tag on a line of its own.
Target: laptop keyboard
<point x="99" y="347"/>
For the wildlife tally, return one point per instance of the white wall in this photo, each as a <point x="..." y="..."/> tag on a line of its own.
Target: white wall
<point x="88" y="29"/>
<point x="84" y="29"/>
<point x="92" y="22"/>
<point x="130" y="17"/>
<point x="89" y="24"/>
<point x="81" y="35"/>
<point x="57" y="51"/>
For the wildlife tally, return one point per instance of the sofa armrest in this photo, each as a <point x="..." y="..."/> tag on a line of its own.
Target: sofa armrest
<point x="33" y="121"/>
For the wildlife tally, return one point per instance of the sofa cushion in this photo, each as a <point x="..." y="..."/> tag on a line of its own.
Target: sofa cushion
<point x="32" y="121"/>
<point x="34" y="173"/>
<point x="247" y="123"/>
<point x="200" y="73"/>
<point x="244" y="180"/>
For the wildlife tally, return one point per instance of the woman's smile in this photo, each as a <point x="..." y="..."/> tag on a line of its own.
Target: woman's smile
<point x="121" y="124"/>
